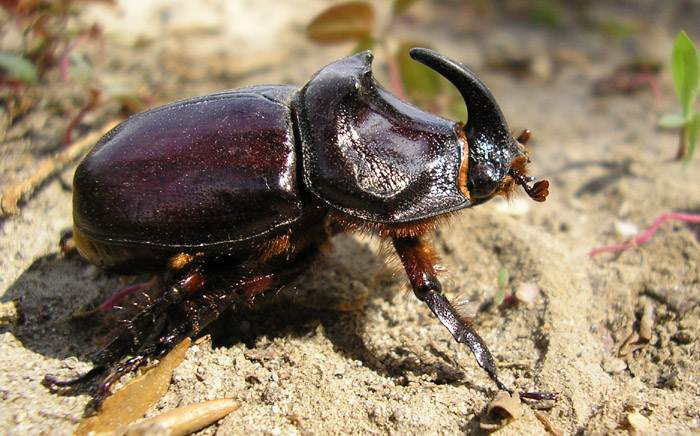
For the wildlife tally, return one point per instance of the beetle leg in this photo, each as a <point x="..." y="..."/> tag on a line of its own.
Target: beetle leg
<point x="136" y="333"/>
<point x="183" y="311"/>
<point x="419" y="262"/>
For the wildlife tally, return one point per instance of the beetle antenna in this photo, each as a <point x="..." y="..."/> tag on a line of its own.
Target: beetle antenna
<point x="538" y="192"/>
<point x="524" y="137"/>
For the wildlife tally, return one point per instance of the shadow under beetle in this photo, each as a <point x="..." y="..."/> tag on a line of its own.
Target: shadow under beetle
<point x="237" y="193"/>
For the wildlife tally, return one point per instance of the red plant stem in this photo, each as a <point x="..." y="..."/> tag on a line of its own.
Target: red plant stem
<point x="687" y="217"/>
<point x="94" y="98"/>
<point x="395" y="77"/>
<point x="113" y="300"/>
<point x="65" y="57"/>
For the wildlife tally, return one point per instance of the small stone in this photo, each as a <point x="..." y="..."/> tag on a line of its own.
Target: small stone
<point x="683" y="337"/>
<point x="625" y="229"/>
<point x="638" y="422"/>
<point x="527" y="292"/>
<point x="647" y="322"/>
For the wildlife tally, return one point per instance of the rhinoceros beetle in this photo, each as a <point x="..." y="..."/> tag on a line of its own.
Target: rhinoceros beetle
<point x="235" y="194"/>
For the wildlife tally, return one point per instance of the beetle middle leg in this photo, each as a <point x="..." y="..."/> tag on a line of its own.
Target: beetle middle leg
<point x="419" y="262"/>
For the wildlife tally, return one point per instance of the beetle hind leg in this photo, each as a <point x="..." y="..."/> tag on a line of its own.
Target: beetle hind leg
<point x="184" y="309"/>
<point x="141" y="335"/>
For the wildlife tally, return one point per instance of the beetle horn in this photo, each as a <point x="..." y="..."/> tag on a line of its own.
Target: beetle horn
<point x="484" y="115"/>
<point x="486" y="131"/>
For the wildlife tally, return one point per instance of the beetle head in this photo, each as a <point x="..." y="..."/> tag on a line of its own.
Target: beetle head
<point x="496" y="160"/>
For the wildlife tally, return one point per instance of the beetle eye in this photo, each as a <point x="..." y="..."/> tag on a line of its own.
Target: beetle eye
<point x="482" y="180"/>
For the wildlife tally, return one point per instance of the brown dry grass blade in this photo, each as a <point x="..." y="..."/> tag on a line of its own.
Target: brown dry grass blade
<point x="20" y="192"/>
<point x="181" y="421"/>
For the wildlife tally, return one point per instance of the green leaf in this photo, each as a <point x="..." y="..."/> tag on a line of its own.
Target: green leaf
<point x="400" y="6"/>
<point x="126" y="95"/>
<point x="503" y="278"/>
<point x="545" y="13"/>
<point x="19" y="67"/>
<point x="426" y="88"/>
<point x="79" y="68"/>
<point x="672" y="121"/>
<point x="617" y="28"/>
<point x="420" y="82"/>
<point x="344" y="22"/>
<point x="499" y="297"/>
<point x="685" y="67"/>
<point x="364" y="44"/>
<point x="691" y="140"/>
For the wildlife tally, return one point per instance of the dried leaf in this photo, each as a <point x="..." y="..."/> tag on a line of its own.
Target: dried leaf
<point x="629" y="345"/>
<point x="181" y="421"/>
<point x="646" y="324"/>
<point x="549" y="424"/>
<point x="344" y="22"/>
<point x="14" y="194"/>
<point x="501" y="411"/>
<point x="134" y="400"/>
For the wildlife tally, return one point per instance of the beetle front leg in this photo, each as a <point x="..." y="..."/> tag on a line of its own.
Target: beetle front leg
<point x="419" y="262"/>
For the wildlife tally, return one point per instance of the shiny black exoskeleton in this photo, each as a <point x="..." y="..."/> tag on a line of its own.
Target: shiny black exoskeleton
<point x="235" y="193"/>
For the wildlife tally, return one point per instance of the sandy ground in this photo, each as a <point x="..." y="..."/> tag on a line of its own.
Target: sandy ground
<point x="300" y="367"/>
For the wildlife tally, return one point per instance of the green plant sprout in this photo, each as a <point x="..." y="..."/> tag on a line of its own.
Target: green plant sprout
<point x="19" y="67"/>
<point x="685" y="68"/>
<point x="502" y="283"/>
